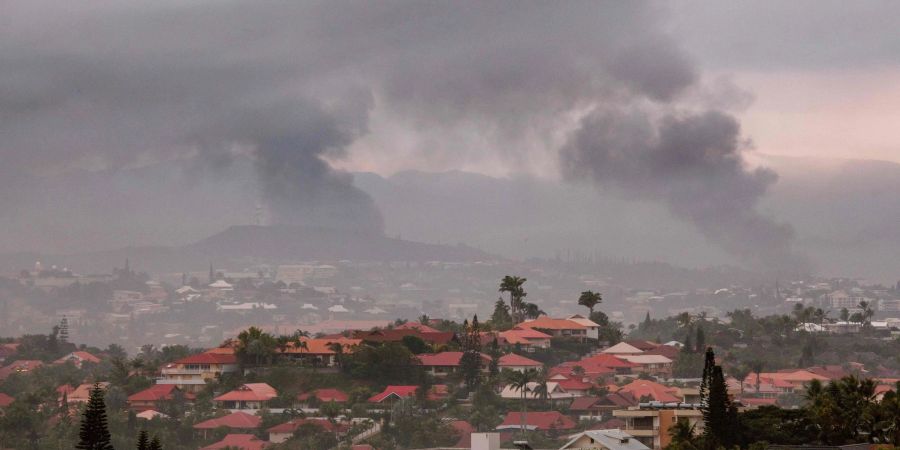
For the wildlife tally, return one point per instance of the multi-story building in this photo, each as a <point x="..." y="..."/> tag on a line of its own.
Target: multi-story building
<point x="651" y="425"/>
<point x="191" y="374"/>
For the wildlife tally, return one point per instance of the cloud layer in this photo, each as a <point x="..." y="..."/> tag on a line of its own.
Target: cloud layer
<point x="294" y="85"/>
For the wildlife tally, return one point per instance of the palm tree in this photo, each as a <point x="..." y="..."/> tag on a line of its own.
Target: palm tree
<point x="253" y="341"/>
<point x="298" y="339"/>
<point x="513" y="285"/>
<point x="682" y="435"/>
<point x="757" y="367"/>
<point x="740" y="372"/>
<point x="590" y="300"/>
<point x="338" y="350"/>
<point x="541" y="389"/>
<point x="520" y="381"/>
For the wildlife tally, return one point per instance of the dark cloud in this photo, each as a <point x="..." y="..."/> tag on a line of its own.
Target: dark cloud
<point x="692" y="163"/>
<point x="295" y="84"/>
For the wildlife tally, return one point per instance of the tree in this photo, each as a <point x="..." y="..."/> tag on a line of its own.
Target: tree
<point x="494" y="366"/>
<point x="514" y="286"/>
<point x="471" y="360"/>
<point x="520" y="381"/>
<point x="94" y="434"/>
<point x="719" y="414"/>
<point x="701" y="339"/>
<point x="155" y="444"/>
<point x="256" y="345"/>
<point x="500" y="319"/>
<point x="143" y="442"/>
<point x="682" y="436"/>
<point x="590" y="300"/>
<point x="330" y="410"/>
<point x="541" y="389"/>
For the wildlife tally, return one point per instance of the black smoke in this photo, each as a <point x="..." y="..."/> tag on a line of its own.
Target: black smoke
<point x="692" y="163"/>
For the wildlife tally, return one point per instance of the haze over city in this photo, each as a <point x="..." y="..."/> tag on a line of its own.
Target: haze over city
<point x="477" y="225"/>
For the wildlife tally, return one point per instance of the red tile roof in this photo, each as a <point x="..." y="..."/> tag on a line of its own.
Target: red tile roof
<point x="156" y="393"/>
<point x="606" y="360"/>
<point x="5" y="400"/>
<point x="238" y="441"/>
<point x="514" y="360"/>
<point x="437" y="392"/>
<point x="398" y="391"/>
<point x="548" y="323"/>
<point x="464" y="430"/>
<point x="647" y="388"/>
<point x="209" y="358"/>
<point x="326" y="395"/>
<point x="80" y="356"/>
<point x="250" y="392"/>
<point x="417" y="326"/>
<point x="583" y="403"/>
<point x="237" y="420"/>
<point x="20" y="366"/>
<point x="327" y="425"/>
<point x="540" y="420"/>
<point x="396" y="335"/>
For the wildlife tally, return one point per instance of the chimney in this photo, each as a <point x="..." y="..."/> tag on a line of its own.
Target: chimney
<point x="485" y="441"/>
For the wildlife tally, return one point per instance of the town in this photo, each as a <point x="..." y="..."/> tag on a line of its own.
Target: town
<point x="516" y="377"/>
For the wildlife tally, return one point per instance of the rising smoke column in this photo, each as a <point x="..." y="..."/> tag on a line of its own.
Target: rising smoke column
<point x="692" y="163"/>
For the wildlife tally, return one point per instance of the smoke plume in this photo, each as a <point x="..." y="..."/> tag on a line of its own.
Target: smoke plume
<point x="599" y="91"/>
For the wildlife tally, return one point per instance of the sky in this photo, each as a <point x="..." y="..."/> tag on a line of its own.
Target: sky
<point x="664" y="102"/>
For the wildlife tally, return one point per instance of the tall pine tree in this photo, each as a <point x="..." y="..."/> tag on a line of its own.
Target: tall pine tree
<point x="94" y="434"/>
<point x="143" y="442"/>
<point x="719" y="414"/>
<point x="471" y="361"/>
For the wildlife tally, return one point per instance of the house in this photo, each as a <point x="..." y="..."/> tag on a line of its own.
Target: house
<point x="610" y="439"/>
<point x="82" y="393"/>
<point x="652" y="426"/>
<point x="441" y="364"/>
<point x="392" y="393"/>
<point x="238" y="442"/>
<point x="22" y="366"/>
<point x="575" y="386"/>
<point x="518" y="363"/>
<point x="554" y="391"/>
<point x="601" y="365"/>
<point x="528" y="339"/>
<point x="151" y="397"/>
<point x="772" y="384"/>
<point x="444" y="363"/>
<point x="190" y="374"/>
<point x="537" y="420"/>
<point x="593" y="328"/>
<point x="324" y="396"/>
<point x="603" y="406"/>
<point x="656" y="365"/>
<point x="250" y="396"/>
<point x="234" y="422"/>
<point x="321" y="352"/>
<point x="622" y="349"/>
<point x="556" y="327"/>
<point x="646" y="389"/>
<point x="284" y="431"/>
<point x="420" y="327"/>
<point x="151" y="414"/>
<point x="396" y="335"/>
<point x="78" y="358"/>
